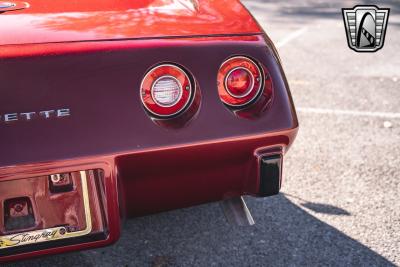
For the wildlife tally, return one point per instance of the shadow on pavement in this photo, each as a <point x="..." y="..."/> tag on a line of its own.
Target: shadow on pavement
<point x="325" y="208"/>
<point x="284" y="234"/>
<point x="320" y="207"/>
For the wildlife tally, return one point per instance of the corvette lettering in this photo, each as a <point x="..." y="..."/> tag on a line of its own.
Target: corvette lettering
<point x="28" y="116"/>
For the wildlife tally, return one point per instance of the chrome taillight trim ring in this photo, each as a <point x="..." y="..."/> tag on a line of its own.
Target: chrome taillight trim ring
<point x="258" y="90"/>
<point x="191" y="90"/>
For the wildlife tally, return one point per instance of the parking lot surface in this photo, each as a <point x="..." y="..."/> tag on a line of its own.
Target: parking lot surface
<point x="340" y="201"/>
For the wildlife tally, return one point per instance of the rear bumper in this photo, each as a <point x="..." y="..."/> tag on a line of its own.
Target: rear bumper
<point x="145" y="168"/>
<point x="150" y="181"/>
<point x="171" y="178"/>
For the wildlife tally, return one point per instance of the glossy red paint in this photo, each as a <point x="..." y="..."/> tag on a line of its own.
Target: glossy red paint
<point x="70" y="21"/>
<point x="52" y="210"/>
<point x="216" y="151"/>
<point x="36" y="189"/>
<point x="195" y="181"/>
<point x="203" y="172"/>
<point x="113" y="79"/>
<point x="91" y="57"/>
<point x="69" y="48"/>
<point x="18" y="173"/>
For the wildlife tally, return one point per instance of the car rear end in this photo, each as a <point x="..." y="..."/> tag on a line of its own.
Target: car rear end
<point x="100" y="128"/>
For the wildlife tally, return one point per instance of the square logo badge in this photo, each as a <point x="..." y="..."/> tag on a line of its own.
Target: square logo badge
<point x="365" y="27"/>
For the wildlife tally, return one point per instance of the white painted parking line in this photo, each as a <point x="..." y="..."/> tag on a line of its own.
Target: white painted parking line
<point x="290" y="37"/>
<point x="388" y="115"/>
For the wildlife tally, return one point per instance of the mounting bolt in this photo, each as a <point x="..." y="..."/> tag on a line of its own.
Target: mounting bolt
<point x="55" y="178"/>
<point x="62" y="231"/>
<point x="18" y="207"/>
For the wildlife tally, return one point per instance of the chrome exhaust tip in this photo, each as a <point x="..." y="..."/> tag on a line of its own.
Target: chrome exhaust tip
<point x="236" y="211"/>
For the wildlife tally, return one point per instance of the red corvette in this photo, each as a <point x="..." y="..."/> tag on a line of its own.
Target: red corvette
<point x="114" y="109"/>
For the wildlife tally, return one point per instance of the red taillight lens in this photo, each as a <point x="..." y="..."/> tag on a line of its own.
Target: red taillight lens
<point x="239" y="81"/>
<point x="166" y="90"/>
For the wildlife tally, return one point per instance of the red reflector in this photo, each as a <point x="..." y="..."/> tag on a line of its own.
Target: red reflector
<point x="239" y="81"/>
<point x="166" y="90"/>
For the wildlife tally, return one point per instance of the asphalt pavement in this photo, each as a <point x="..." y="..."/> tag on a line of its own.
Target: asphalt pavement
<point x="340" y="202"/>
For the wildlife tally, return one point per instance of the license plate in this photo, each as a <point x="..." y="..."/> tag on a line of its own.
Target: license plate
<point x="49" y="205"/>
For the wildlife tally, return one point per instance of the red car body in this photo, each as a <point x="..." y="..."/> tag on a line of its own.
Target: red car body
<point x="71" y="74"/>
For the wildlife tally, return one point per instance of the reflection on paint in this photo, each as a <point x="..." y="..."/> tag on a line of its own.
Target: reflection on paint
<point x="75" y="21"/>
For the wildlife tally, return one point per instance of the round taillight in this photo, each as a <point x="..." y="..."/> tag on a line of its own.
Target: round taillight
<point x="239" y="81"/>
<point x="166" y="90"/>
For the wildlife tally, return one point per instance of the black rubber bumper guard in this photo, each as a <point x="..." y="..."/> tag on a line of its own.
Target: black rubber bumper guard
<point x="270" y="175"/>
